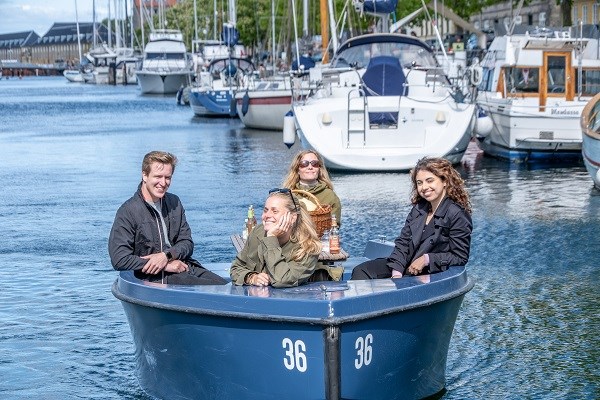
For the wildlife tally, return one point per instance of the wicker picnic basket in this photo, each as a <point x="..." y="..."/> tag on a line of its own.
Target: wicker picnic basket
<point x="321" y="216"/>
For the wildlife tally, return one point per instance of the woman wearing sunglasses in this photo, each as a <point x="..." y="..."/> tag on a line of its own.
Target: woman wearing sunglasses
<point x="282" y="251"/>
<point x="437" y="231"/>
<point x="307" y="172"/>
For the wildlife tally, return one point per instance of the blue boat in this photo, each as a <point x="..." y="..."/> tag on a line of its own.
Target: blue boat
<point x="377" y="339"/>
<point x="590" y="148"/>
<point x="214" y="95"/>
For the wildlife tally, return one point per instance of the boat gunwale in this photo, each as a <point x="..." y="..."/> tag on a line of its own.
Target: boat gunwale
<point x="451" y="293"/>
<point x="585" y="114"/>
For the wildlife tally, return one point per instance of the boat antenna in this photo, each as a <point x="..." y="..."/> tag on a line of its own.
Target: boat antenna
<point x="514" y="18"/>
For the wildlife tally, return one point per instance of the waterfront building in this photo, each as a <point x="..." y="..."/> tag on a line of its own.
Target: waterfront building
<point x="586" y="11"/>
<point x="13" y="46"/>
<point x="539" y="13"/>
<point x="58" y="49"/>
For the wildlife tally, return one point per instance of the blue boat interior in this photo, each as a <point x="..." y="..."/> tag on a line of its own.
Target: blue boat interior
<point x="384" y="77"/>
<point x="315" y="300"/>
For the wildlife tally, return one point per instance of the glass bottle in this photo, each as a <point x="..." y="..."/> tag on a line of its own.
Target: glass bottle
<point x="325" y="241"/>
<point x="245" y="230"/>
<point x="334" y="237"/>
<point x="251" y="221"/>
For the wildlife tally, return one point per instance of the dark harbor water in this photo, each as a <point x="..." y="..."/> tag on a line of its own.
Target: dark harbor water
<point x="71" y="155"/>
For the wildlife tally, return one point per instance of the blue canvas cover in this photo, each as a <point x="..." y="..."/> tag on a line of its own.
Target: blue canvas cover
<point x="380" y="6"/>
<point x="307" y="62"/>
<point x="384" y="77"/>
<point x="230" y="35"/>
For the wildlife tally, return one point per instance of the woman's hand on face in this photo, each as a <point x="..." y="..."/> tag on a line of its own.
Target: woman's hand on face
<point x="283" y="226"/>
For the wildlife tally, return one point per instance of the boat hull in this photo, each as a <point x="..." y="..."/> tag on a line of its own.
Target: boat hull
<point x="212" y="103"/>
<point x="322" y="340"/>
<point x="590" y="148"/>
<point x="72" y="75"/>
<point x="397" y="148"/>
<point x="152" y="82"/>
<point x="264" y="110"/>
<point x="591" y="157"/>
<point x="524" y="134"/>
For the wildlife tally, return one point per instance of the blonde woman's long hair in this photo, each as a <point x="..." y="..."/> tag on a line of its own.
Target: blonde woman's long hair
<point x="293" y="176"/>
<point x="304" y="232"/>
<point x="443" y="169"/>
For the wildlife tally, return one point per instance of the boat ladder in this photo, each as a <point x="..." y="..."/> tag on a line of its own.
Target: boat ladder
<point x="357" y="120"/>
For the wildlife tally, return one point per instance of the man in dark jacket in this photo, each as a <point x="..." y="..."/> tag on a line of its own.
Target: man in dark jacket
<point x="150" y="234"/>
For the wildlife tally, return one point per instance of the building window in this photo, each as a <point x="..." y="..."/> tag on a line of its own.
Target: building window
<point x="584" y="13"/>
<point x="595" y="13"/>
<point x="575" y="15"/>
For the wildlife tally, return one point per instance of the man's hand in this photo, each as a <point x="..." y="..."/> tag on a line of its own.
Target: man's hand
<point x="176" y="266"/>
<point x="156" y="263"/>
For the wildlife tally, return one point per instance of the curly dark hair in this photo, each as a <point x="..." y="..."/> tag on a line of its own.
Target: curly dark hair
<point x="443" y="169"/>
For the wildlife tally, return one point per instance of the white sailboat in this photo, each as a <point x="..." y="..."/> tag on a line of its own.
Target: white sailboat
<point x="382" y="104"/>
<point x="75" y="75"/>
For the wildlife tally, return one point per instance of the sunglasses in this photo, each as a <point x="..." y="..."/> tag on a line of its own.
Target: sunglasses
<point x="306" y="163"/>
<point x="285" y="191"/>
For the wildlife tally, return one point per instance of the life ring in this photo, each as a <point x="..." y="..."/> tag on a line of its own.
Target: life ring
<point x="476" y="75"/>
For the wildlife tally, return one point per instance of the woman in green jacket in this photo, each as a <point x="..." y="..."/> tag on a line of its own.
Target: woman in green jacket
<point x="307" y="172"/>
<point x="282" y="251"/>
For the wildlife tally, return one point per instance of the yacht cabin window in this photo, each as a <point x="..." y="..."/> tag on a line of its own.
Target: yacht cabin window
<point x="359" y="56"/>
<point x="590" y="81"/>
<point x="522" y="79"/>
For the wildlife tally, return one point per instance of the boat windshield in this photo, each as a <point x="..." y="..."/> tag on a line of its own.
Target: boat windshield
<point x="165" y="56"/>
<point x="407" y="53"/>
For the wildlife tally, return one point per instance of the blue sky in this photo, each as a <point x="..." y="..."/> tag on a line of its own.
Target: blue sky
<point x="39" y="15"/>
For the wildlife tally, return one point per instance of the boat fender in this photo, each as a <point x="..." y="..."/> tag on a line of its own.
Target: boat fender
<point x="476" y="75"/>
<point x="232" y="107"/>
<point x="245" y="103"/>
<point x="179" y="96"/>
<point x="598" y="178"/>
<point x="289" y="129"/>
<point x="483" y="124"/>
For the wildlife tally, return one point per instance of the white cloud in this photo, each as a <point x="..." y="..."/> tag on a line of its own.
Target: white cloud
<point x="25" y="15"/>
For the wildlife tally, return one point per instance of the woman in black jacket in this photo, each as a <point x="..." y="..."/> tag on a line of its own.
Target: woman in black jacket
<point x="437" y="231"/>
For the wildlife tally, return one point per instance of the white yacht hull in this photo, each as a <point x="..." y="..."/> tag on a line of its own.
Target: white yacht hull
<point x="383" y="149"/>
<point x="72" y="75"/>
<point x="152" y="82"/>
<point x="521" y="132"/>
<point x="265" y="109"/>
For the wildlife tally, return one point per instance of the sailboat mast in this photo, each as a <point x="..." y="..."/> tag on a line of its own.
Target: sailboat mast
<point x="296" y="33"/>
<point x="94" y="29"/>
<point x="305" y="18"/>
<point x="78" y="34"/>
<point x="273" y="47"/>
<point x="324" y="31"/>
<point x="109" y="27"/>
